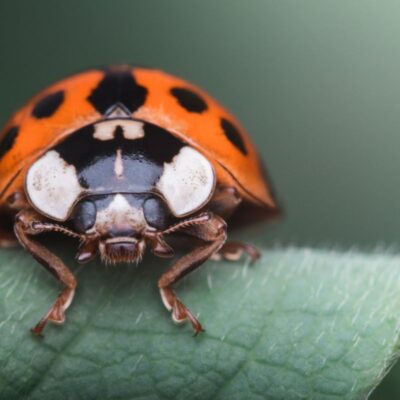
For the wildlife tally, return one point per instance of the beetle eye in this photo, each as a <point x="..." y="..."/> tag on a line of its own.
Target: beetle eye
<point x="84" y="215"/>
<point x="156" y="213"/>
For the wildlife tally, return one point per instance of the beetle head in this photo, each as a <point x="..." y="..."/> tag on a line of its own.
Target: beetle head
<point x="121" y="249"/>
<point x="112" y="227"/>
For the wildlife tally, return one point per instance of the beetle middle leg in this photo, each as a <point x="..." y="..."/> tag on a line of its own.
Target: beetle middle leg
<point x="225" y="201"/>
<point x="28" y="223"/>
<point x="14" y="203"/>
<point x="234" y="250"/>
<point x="213" y="233"/>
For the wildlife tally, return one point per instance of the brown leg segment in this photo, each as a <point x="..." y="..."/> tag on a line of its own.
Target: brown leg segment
<point x="28" y="224"/>
<point x="233" y="251"/>
<point x="213" y="232"/>
<point x="14" y="203"/>
<point x="225" y="201"/>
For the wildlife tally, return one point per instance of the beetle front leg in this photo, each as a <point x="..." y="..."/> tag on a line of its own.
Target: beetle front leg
<point x="213" y="232"/>
<point x="28" y="224"/>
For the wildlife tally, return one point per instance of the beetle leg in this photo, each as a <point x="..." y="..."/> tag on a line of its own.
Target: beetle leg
<point x="27" y="224"/>
<point x="189" y="222"/>
<point x="156" y="238"/>
<point x="233" y="251"/>
<point x="225" y="201"/>
<point x="213" y="233"/>
<point x="15" y="202"/>
<point x="87" y="251"/>
<point x="158" y="245"/>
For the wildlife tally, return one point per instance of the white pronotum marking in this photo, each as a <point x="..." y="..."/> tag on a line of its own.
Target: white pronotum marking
<point x="52" y="186"/>
<point x="119" y="164"/>
<point x="105" y="130"/>
<point x="121" y="214"/>
<point x="132" y="130"/>
<point x="187" y="182"/>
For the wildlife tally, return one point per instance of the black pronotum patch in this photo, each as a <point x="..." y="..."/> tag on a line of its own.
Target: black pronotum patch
<point x="118" y="87"/>
<point x="47" y="106"/>
<point x="233" y="135"/>
<point x="143" y="158"/>
<point x="8" y="140"/>
<point x="189" y="100"/>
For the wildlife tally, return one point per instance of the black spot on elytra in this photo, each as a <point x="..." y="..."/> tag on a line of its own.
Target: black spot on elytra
<point x="118" y="86"/>
<point x="8" y="140"/>
<point x="47" y="106"/>
<point x="233" y="135"/>
<point x="189" y="100"/>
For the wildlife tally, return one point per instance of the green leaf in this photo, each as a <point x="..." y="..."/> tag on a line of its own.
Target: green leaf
<point x="300" y="324"/>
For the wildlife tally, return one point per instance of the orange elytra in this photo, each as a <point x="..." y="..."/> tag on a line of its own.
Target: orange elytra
<point x="122" y="158"/>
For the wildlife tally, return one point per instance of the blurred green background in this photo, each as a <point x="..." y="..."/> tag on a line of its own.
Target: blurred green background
<point x="316" y="83"/>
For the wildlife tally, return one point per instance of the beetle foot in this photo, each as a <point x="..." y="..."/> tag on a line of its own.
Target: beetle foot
<point x="179" y="312"/>
<point x="233" y="251"/>
<point x="56" y="314"/>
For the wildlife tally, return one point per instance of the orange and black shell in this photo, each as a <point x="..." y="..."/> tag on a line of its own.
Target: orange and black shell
<point x="150" y="95"/>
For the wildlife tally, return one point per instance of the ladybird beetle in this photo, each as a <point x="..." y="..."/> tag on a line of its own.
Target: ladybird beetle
<point x="124" y="159"/>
